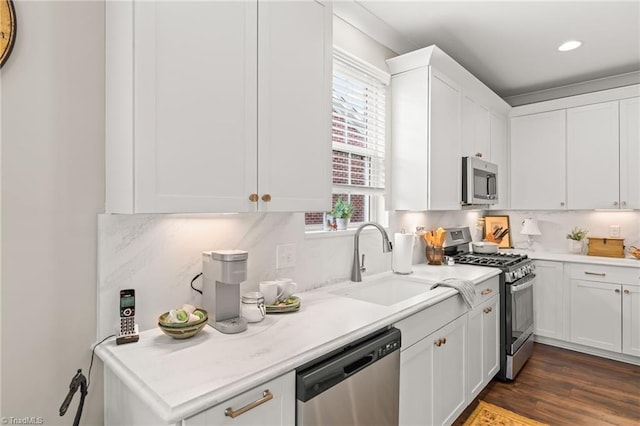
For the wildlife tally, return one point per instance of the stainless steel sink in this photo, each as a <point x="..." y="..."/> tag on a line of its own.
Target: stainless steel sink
<point x="386" y="291"/>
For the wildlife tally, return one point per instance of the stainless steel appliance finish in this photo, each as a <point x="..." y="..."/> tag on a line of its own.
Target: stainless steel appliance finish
<point x="479" y="181"/>
<point x="222" y="273"/>
<point x="356" y="385"/>
<point x="358" y="268"/>
<point x="517" y="282"/>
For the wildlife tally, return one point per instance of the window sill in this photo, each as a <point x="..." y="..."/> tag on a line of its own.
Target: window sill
<point x="313" y="234"/>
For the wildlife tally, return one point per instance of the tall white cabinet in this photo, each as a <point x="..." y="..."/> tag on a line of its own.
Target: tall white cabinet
<point x="218" y="106"/>
<point x="440" y="113"/>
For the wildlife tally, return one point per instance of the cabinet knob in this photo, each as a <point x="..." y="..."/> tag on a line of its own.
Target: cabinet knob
<point x="253" y="198"/>
<point x="479" y="154"/>
<point x="266" y="198"/>
<point x="615" y="203"/>
<point x="624" y="204"/>
<point x="627" y="292"/>
<point x="438" y="342"/>
<point x="487" y="310"/>
<point x="444" y="340"/>
<point x="562" y="203"/>
<point x="617" y="290"/>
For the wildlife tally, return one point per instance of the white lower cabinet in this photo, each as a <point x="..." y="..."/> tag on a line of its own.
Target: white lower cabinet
<point x="432" y="377"/>
<point x="448" y="355"/>
<point x="272" y="403"/>
<point x="483" y="355"/>
<point x="548" y="299"/>
<point x="604" y="307"/>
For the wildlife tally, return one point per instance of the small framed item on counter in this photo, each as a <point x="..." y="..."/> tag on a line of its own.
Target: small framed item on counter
<point x="498" y="230"/>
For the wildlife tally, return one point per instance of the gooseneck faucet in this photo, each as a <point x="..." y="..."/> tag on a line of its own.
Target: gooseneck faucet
<point x="357" y="269"/>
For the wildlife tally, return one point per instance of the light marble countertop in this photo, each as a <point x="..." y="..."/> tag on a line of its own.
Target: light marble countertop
<point x="630" y="262"/>
<point x="180" y="378"/>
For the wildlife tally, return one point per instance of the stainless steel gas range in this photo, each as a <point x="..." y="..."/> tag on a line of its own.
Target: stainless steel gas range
<point x="516" y="298"/>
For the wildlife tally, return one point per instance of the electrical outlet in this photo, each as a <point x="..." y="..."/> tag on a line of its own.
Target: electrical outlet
<point x="614" y="230"/>
<point x="285" y="256"/>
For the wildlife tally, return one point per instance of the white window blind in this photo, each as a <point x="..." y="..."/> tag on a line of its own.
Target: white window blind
<point x="358" y="126"/>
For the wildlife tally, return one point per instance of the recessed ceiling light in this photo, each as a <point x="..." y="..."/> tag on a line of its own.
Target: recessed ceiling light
<point x="569" y="45"/>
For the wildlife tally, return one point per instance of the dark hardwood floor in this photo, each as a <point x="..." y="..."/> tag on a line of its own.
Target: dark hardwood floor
<point x="562" y="387"/>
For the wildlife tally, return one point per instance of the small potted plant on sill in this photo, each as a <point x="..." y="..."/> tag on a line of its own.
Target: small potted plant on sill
<point x="342" y="212"/>
<point x="575" y="237"/>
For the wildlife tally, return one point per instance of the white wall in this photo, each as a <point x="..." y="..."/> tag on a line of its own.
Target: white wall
<point x="52" y="129"/>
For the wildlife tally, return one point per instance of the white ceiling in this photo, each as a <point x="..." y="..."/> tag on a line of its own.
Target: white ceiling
<point x="511" y="46"/>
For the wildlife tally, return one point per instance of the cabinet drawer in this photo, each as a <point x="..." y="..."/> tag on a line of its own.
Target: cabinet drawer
<point x="610" y="274"/>
<point x="271" y="403"/>
<point x="425" y="322"/>
<point x="486" y="290"/>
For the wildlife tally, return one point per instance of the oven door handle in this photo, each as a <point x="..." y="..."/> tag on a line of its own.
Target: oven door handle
<point x="521" y="287"/>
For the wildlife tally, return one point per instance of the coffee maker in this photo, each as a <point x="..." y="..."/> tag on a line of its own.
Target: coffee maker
<point x="222" y="273"/>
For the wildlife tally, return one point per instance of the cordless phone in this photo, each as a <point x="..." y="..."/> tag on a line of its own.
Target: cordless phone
<point x="128" y="332"/>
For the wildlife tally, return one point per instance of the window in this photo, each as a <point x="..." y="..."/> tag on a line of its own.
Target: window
<point x="358" y="138"/>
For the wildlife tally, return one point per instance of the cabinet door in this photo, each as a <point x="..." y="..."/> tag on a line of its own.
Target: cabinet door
<point x="475" y="129"/>
<point x="491" y="339"/>
<point x="445" y="161"/>
<point x="595" y="314"/>
<point x="483" y="346"/>
<point x="416" y="384"/>
<point x="548" y="299"/>
<point x="294" y="99"/>
<point x="279" y="410"/>
<point x="499" y="156"/>
<point x="630" y="153"/>
<point x="449" y="371"/>
<point x="195" y="106"/>
<point x="538" y="161"/>
<point x="631" y="320"/>
<point x="593" y="156"/>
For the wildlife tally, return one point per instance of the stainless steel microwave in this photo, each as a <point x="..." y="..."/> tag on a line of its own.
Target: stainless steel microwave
<point x="479" y="181"/>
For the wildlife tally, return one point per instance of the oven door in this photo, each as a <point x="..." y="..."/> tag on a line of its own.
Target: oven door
<point x="520" y="311"/>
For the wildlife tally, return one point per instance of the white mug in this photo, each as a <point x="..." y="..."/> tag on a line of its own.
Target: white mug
<point x="286" y="287"/>
<point x="270" y="291"/>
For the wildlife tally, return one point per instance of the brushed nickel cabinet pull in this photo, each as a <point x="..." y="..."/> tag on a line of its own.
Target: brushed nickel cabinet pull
<point x="266" y="198"/>
<point x="487" y="291"/>
<point x="624" y="204"/>
<point x="479" y="154"/>
<point x="253" y="198"/>
<point x="599" y="274"/>
<point x="438" y="342"/>
<point x="266" y="396"/>
<point x="617" y="290"/>
<point x="562" y="203"/>
<point x="615" y="203"/>
<point x="487" y="310"/>
<point x="627" y="292"/>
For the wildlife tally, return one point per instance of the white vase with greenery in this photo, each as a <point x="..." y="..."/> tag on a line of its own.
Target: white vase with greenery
<point x="342" y="212"/>
<point x="576" y="238"/>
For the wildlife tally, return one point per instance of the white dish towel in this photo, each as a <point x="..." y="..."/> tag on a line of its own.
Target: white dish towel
<point x="466" y="289"/>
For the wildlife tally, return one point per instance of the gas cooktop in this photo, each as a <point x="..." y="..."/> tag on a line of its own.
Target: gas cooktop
<point x="498" y="260"/>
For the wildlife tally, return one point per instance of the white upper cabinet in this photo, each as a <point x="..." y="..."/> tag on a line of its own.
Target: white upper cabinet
<point x="445" y="173"/>
<point x="579" y="152"/>
<point x="439" y="113"/>
<point x="538" y="161"/>
<point x="593" y="154"/>
<point x="476" y="131"/>
<point x="218" y="106"/>
<point x="630" y="153"/>
<point x="500" y="156"/>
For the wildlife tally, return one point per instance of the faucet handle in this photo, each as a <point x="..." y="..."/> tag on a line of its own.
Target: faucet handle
<point x="362" y="268"/>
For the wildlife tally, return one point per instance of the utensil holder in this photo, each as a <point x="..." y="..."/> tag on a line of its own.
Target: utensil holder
<point x="435" y="255"/>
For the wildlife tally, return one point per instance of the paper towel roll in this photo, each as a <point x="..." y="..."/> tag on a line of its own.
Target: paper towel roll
<point x="402" y="253"/>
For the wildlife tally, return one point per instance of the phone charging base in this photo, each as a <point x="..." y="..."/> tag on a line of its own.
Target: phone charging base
<point x="231" y="325"/>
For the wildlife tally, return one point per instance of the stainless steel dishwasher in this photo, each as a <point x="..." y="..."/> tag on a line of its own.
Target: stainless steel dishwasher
<point x="358" y="384"/>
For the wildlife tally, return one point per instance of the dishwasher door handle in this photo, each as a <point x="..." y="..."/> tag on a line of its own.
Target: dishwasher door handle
<point x="358" y="364"/>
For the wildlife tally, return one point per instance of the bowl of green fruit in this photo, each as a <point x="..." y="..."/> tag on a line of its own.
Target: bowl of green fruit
<point x="184" y="322"/>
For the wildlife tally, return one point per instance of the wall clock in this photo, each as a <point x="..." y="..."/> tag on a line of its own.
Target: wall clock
<point x="7" y="29"/>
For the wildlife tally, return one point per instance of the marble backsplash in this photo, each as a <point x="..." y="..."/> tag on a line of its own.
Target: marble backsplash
<point x="158" y="255"/>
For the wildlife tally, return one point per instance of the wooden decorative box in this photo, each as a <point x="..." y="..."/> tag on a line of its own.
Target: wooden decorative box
<point x="608" y="247"/>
